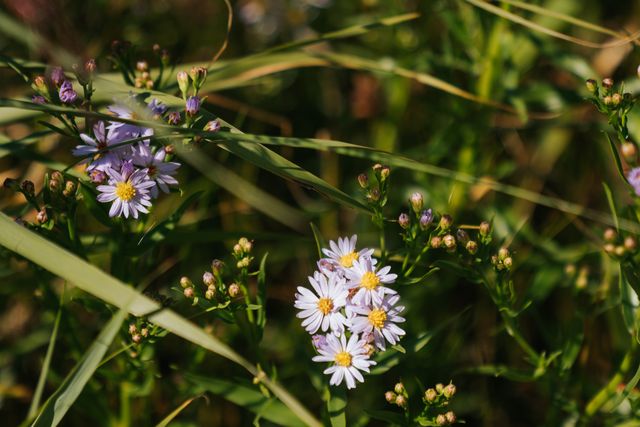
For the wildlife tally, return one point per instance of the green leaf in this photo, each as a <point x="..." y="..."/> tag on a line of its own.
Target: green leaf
<point x="261" y="295"/>
<point x="337" y="406"/>
<point x="317" y="235"/>
<point x="626" y="302"/>
<point x="165" y="422"/>
<point x="616" y="157"/>
<point x="393" y="418"/>
<point x="96" y="282"/>
<point x="59" y="403"/>
<point x="247" y="397"/>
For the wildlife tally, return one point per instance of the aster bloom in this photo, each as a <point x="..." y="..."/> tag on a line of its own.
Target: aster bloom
<point x="367" y="283"/>
<point x="159" y="171"/>
<point x="343" y="254"/>
<point x="348" y="358"/>
<point x="126" y="130"/>
<point x="157" y="108"/>
<point x="634" y="179"/>
<point x="97" y="151"/>
<point x="66" y="93"/>
<point x="321" y="309"/>
<point x="128" y="189"/>
<point x="380" y="321"/>
<point x="192" y="106"/>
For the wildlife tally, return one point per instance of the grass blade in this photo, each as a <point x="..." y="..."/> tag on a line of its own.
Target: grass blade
<point x="165" y="422"/>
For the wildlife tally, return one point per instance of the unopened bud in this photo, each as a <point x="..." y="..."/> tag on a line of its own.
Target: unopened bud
<point x="485" y="228"/>
<point x="620" y="250"/>
<point x="449" y="391"/>
<point x="217" y="266"/>
<point x="192" y="106"/>
<point x="401" y="401"/>
<point x="245" y="244"/>
<point x="608" y="100"/>
<point x="610" y="234"/>
<point x="439" y="387"/>
<point x="592" y="85"/>
<point x="144" y="332"/>
<point x="208" y="279"/>
<point x="132" y="328"/>
<point x="417" y="201"/>
<point x="472" y="247"/>
<point x="136" y="338"/>
<point x="607" y="83"/>
<point x="42" y="216"/>
<point x="363" y="180"/>
<point x="185" y="282"/>
<point x="377" y="167"/>
<point x="449" y="241"/>
<point x="609" y="248"/>
<point x="57" y="76"/>
<point x="237" y="249"/>
<point x="445" y="222"/>
<point x="441" y="420"/>
<point x="630" y="243"/>
<point x="404" y="220"/>
<point x="503" y="253"/>
<point x="69" y="189"/>
<point x="234" y="290"/>
<point x="374" y="195"/>
<point x="384" y="173"/>
<point x="430" y="395"/>
<point x="244" y="262"/>
<point x="189" y="292"/>
<point x="451" y="417"/>
<point x="629" y="152"/>
<point x="90" y="66"/>
<point x="97" y="176"/>
<point x="198" y="75"/>
<point x="462" y="236"/>
<point x="390" y="397"/>
<point x="210" y="293"/>
<point x="616" y="99"/>
<point x="28" y="188"/>
<point x="507" y="262"/>
<point x="399" y="388"/>
<point x="426" y="219"/>
<point x="173" y="118"/>
<point x="435" y="242"/>
<point x="183" y="82"/>
<point x="142" y="66"/>
<point x="212" y="126"/>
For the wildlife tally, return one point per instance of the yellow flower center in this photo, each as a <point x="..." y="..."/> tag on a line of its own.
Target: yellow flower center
<point x="369" y="280"/>
<point x="325" y="305"/>
<point x="343" y="359"/>
<point x="125" y="191"/>
<point x="377" y="317"/>
<point x="347" y="260"/>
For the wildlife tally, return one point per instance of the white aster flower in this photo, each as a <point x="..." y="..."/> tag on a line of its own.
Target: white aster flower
<point x="97" y="149"/>
<point x="380" y="321"/>
<point x="343" y="254"/>
<point x="348" y="358"/>
<point x="367" y="283"/>
<point x="322" y="308"/>
<point x="159" y="171"/>
<point x="128" y="189"/>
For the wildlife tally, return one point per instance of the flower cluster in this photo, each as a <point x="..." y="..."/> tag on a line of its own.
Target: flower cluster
<point x="351" y="303"/>
<point x="435" y="401"/>
<point x="129" y="175"/>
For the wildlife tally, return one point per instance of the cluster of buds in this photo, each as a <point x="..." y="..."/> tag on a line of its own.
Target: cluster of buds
<point x="502" y="260"/>
<point x="189" y="85"/>
<point x="436" y="400"/>
<point x="54" y="88"/>
<point x="398" y="396"/>
<point x="214" y="290"/>
<point x="242" y="252"/>
<point x="143" y="77"/>
<point x="617" y="245"/>
<point x="138" y="332"/>
<point x="375" y="190"/>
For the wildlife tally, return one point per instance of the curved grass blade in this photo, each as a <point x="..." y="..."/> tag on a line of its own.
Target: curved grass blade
<point x="98" y="283"/>
<point x="59" y="403"/>
<point x="165" y="422"/>
<point x="553" y="33"/>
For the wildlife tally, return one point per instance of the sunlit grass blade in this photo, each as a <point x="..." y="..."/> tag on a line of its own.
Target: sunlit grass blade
<point x="91" y="279"/>
<point x="44" y="370"/>
<point x="167" y="420"/>
<point x="553" y="33"/>
<point x="59" y="403"/>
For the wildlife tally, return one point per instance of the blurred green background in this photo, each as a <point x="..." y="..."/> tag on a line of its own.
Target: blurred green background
<point x="558" y="262"/>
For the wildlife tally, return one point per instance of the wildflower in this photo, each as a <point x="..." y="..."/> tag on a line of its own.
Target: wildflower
<point x="319" y="341"/>
<point x="634" y="179"/>
<point x="607" y="83"/>
<point x="192" y="105"/>
<point x="157" y="108"/>
<point x="66" y="93"/>
<point x="349" y="358"/>
<point x="97" y="151"/>
<point x="426" y="218"/>
<point x="159" y="171"/>
<point x="369" y="282"/>
<point x="321" y="310"/>
<point x="380" y="319"/>
<point x="128" y="189"/>
<point x="97" y="176"/>
<point x="234" y="290"/>
<point x="127" y="131"/>
<point x="344" y="254"/>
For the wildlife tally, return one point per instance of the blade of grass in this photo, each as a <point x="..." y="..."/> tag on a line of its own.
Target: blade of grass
<point x="165" y="422"/>
<point x="98" y="283"/>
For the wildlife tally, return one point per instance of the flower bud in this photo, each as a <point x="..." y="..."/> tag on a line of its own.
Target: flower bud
<point x="208" y="279"/>
<point x="40" y="85"/>
<point x="69" y="189"/>
<point x="435" y="242"/>
<point x="28" y="188"/>
<point x="192" y="106"/>
<point x="445" y="222"/>
<point x="57" y="76"/>
<point x="377" y="167"/>
<point x="217" y="266"/>
<point x="472" y="247"/>
<point x="462" y="236"/>
<point x="173" y="118"/>
<point x="451" y="417"/>
<point x="607" y="83"/>
<point x="610" y="234"/>
<point x="96" y="176"/>
<point x="245" y="244"/>
<point x="616" y="99"/>
<point x="620" y="250"/>
<point x="609" y="248"/>
<point x="185" y="282"/>
<point x="430" y="395"/>
<point x="449" y="391"/>
<point x="629" y="152"/>
<point x="404" y="220"/>
<point x="66" y="93"/>
<point x="189" y="292"/>
<point x="136" y="338"/>
<point x="439" y="387"/>
<point x="449" y="241"/>
<point x="244" y="262"/>
<point x="417" y="201"/>
<point x="142" y="66"/>
<point x="630" y="243"/>
<point x="212" y="126"/>
<point x="237" y="249"/>
<point x="592" y="86"/>
<point x="54" y="185"/>
<point x="234" y="290"/>
<point x="144" y="332"/>
<point x="38" y="99"/>
<point x="401" y="401"/>
<point x="503" y="253"/>
<point x="90" y="66"/>
<point x="363" y="180"/>
<point x="183" y="82"/>
<point x="485" y="228"/>
<point x="374" y="195"/>
<point x="608" y="100"/>
<point x="507" y="262"/>
<point x="384" y="173"/>
<point x="390" y="397"/>
<point x="42" y="216"/>
<point x="198" y="75"/>
<point x="399" y="388"/>
<point x="441" y="420"/>
<point x="426" y="218"/>
<point x="132" y="328"/>
<point x="210" y="293"/>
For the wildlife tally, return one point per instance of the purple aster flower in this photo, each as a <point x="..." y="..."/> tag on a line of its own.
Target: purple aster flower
<point x="212" y="126"/>
<point x="96" y="149"/>
<point x="126" y="130"/>
<point x="159" y="171"/>
<point x="97" y="176"/>
<point x="426" y="218"/>
<point x="66" y="93"/>
<point x="57" y="76"/>
<point x="193" y="105"/>
<point x="634" y="179"/>
<point x="157" y="108"/>
<point x="128" y="189"/>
